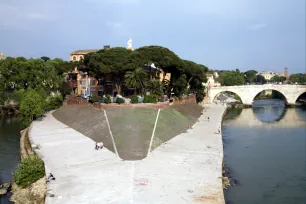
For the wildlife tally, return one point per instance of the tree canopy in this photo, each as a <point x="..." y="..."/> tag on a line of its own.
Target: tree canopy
<point x="121" y="60"/>
<point x="277" y="78"/>
<point x="250" y="76"/>
<point x="298" y="78"/>
<point x="231" y="78"/>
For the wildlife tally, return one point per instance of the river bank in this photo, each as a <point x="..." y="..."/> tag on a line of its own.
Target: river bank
<point x="193" y="158"/>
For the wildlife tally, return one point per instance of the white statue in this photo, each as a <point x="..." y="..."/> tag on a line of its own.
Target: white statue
<point x="129" y="44"/>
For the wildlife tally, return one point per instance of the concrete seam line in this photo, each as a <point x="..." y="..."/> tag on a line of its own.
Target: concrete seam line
<point x="153" y="133"/>
<point x="111" y="134"/>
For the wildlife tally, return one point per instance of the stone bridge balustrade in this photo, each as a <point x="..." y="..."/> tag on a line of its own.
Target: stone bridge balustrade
<point x="247" y="93"/>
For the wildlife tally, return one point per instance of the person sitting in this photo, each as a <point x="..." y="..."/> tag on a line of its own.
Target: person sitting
<point x="50" y="178"/>
<point x="101" y="145"/>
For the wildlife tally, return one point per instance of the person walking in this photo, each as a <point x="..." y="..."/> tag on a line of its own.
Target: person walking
<point x="219" y="130"/>
<point x="208" y="118"/>
<point x="97" y="146"/>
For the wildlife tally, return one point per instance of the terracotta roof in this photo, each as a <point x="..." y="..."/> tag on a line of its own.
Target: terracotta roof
<point x="83" y="52"/>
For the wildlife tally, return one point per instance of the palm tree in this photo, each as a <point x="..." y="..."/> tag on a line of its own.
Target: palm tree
<point x="136" y="79"/>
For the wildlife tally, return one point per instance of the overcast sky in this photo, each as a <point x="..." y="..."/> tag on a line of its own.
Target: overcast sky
<point x="221" y="34"/>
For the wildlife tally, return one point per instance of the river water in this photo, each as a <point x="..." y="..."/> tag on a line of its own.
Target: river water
<point x="9" y="150"/>
<point x="265" y="153"/>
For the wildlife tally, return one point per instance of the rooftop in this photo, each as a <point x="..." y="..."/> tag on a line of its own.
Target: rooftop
<point x="83" y="52"/>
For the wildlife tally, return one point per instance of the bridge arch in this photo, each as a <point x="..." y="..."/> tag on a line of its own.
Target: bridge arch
<point x="214" y="96"/>
<point x="268" y="89"/>
<point x="299" y="95"/>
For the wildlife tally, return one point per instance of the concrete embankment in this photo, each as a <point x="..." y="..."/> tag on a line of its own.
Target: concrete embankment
<point x="185" y="169"/>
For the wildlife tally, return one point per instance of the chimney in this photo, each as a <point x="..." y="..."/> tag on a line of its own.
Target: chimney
<point x="106" y="47"/>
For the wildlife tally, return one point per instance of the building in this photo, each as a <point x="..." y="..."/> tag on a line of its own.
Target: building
<point x="2" y="57"/>
<point x="110" y="83"/>
<point x="269" y="75"/>
<point x="211" y="81"/>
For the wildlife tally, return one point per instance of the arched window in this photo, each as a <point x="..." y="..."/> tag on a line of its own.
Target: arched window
<point x="81" y="58"/>
<point x="74" y="58"/>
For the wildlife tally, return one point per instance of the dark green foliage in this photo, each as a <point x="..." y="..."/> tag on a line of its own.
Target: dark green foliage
<point x="54" y="102"/>
<point x="150" y="99"/>
<point x="44" y="58"/>
<point x="277" y="78"/>
<point x="31" y="107"/>
<point x="180" y="86"/>
<point x="250" y="76"/>
<point x="260" y="79"/>
<point x="231" y="78"/>
<point x="119" y="100"/>
<point x="18" y="95"/>
<point x="29" y="171"/>
<point x="122" y="61"/>
<point x="298" y="78"/>
<point x="136" y="79"/>
<point x="155" y="87"/>
<point x="21" y="73"/>
<point x="107" y="99"/>
<point x="134" y="99"/>
<point x="96" y="99"/>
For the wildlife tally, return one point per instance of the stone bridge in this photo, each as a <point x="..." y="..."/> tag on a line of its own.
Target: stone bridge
<point x="247" y="93"/>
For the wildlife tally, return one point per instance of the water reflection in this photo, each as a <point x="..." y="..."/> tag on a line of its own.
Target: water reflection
<point x="265" y="151"/>
<point x="269" y="110"/>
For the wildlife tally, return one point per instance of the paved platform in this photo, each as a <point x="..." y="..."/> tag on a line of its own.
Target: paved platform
<point x="186" y="169"/>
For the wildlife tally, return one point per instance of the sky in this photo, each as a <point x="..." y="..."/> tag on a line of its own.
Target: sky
<point x="264" y="35"/>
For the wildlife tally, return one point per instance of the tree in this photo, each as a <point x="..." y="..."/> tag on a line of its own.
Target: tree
<point x="180" y="86"/>
<point x="250" y="76"/>
<point x="277" y="78"/>
<point x="260" y="79"/>
<point x="298" y="78"/>
<point x="31" y="107"/>
<point x="155" y="87"/>
<point x="231" y="78"/>
<point x="135" y="79"/>
<point x="44" y="58"/>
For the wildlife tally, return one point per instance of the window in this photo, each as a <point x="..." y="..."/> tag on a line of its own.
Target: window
<point x="74" y="58"/>
<point x="81" y="58"/>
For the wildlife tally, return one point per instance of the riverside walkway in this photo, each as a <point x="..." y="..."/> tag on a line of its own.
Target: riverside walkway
<point x="186" y="169"/>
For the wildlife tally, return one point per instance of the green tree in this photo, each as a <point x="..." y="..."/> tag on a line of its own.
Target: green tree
<point x="260" y="79"/>
<point x="136" y="79"/>
<point x="298" y="78"/>
<point x="277" y="78"/>
<point x="231" y="78"/>
<point x="180" y="86"/>
<point x="155" y="87"/>
<point x="31" y="107"/>
<point x="250" y="76"/>
<point x="44" y="58"/>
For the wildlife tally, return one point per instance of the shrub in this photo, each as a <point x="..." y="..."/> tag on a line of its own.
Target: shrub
<point x="96" y="98"/>
<point x="150" y="99"/>
<point x="32" y="106"/>
<point x="119" y="100"/>
<point x="107" y="99"/>
<point x="29" y="171"/>
<point x="134" y="99"/>
<point x="54" y="102"/>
